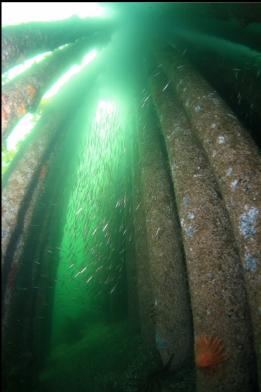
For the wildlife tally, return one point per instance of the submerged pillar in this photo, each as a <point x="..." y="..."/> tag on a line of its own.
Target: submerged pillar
<point x="19" y="312"/>
<point x="16" y="193"/>
<point x="144" y="284"/>
<point x="239" y="65"/>
<point x="237" y="166"/>
<point x="29" y="294"/>
<point x="222" y="326"/>
<point x="24" y="92"/>
<point x="23" y="41"/>
<point x="21" y="180"/>
<point x="171" y="305"/>
<point x="14" y="269"/>
<point x="131" y="265"/>
<point x="236" y="54"/>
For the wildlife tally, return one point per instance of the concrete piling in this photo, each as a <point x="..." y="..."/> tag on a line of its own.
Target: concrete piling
<point x="171" y="306"/>
<point x="23" y="93"/>
<point x="219" y="302"/>
<point x="236" y="164"/>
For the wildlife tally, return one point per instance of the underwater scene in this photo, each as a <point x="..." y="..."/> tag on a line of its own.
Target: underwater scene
<point x="131" y="197"/>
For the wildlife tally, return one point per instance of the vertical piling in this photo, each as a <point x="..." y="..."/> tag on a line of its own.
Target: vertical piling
<point x="26" y="40"/>
<point x="144" y="284"/>
<point x="219" y="303"/>
<point x="173" y="324"/>
<point x="25" y="91"/>
<point x="236" y="163"/>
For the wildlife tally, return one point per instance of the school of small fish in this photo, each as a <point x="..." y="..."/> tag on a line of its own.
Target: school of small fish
<point x="92" y="253"/>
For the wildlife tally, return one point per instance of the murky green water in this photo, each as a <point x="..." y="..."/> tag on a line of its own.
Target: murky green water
<point x="75" y="319"/>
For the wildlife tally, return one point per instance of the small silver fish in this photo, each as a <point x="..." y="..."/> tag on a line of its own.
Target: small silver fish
<point x="78" y="212"/>
<point x="88" y="280"/>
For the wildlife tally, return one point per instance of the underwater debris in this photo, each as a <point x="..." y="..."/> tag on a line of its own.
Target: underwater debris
<point x="210" y="351"/>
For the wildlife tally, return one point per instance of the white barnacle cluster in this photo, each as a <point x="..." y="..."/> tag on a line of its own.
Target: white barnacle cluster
<point x="234" y="185"/>
<point x="250" y="262"/>
<point x="186" y="200"/>
<point x="191" y="215"/>
<point x="189" y="229"/>
<point x="248" y="222"/>
<point x="221" y="139"/>
<point x="229" y="171"/>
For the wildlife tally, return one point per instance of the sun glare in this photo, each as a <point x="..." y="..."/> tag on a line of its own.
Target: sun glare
<point x="68" y="75"/>
<point x="17" y="13"/>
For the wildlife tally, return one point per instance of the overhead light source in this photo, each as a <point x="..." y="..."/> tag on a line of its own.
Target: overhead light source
<point x="68" y="75"/>
<point x="106" y="114"/>
<point x="20" y="12"/>
<point x="21" y="130"/>
<point x="19" y="69"/>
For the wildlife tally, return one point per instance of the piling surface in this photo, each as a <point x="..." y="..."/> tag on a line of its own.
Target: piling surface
<point x="23" y="93"/>
<point x="236" y="164"/>
<point x="219" y="302"/>
<point x="173" y="324"/>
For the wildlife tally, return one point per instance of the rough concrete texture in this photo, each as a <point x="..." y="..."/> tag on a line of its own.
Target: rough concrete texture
<point x="236" y="163"/>
<point x="15" y="302"/>
<point x="19" y="183"/>
<point x="131" y="266"/>
<point x="131" y="273"/>
<point x="144" y="284"/>
<point x="237" y="79"/>
<point x="23" y="41"/>
<point x="24" y="92"/>
<point x="32" y="286"/>
<point x="219" y="301"/>
<point x="15" y="196"/>
<point x="173" y="321"/>
<point x="21" y="243"/>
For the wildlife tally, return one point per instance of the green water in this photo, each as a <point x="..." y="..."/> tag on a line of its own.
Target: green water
<point x="76" y="316"/>
<point x="95" y="343"/>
